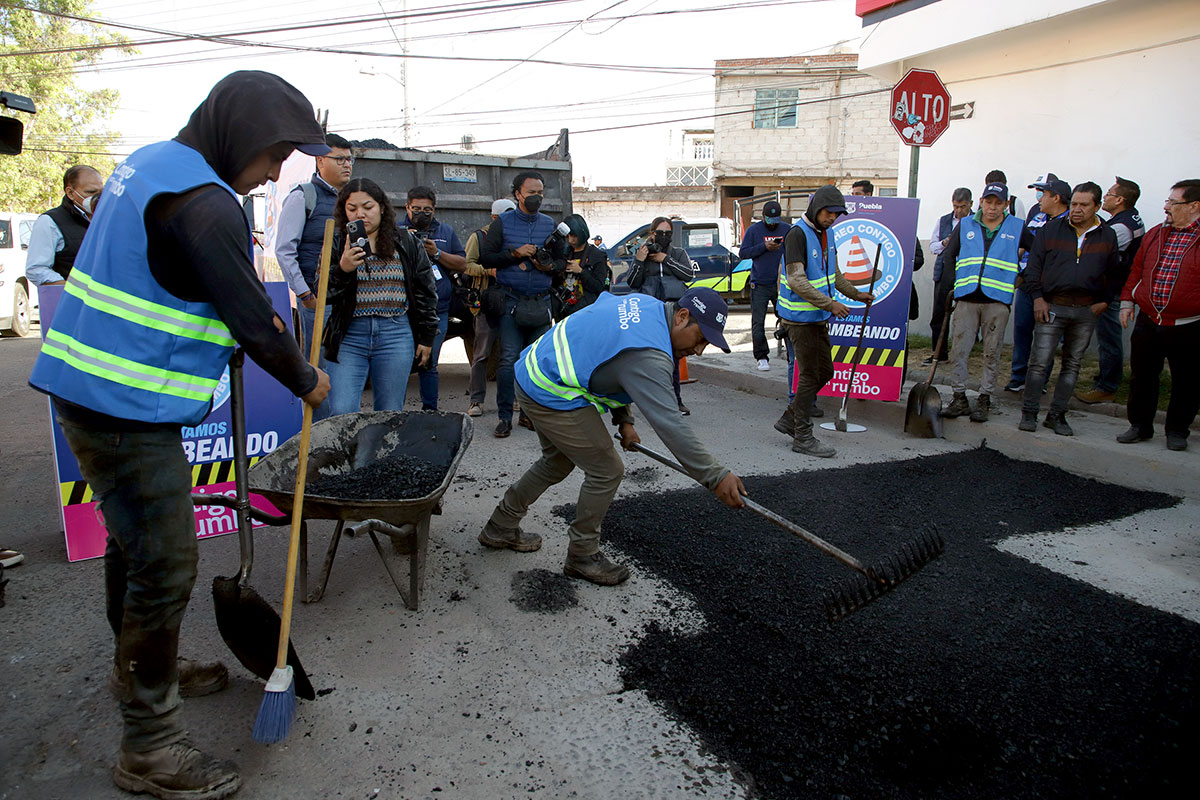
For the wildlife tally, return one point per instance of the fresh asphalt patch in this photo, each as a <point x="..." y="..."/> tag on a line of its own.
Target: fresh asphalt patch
<point x="983" y="675"/>
<point x="543" y="591"/>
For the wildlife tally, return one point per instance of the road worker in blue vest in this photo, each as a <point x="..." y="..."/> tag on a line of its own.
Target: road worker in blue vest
<point x="617" y="351"/>
<point x="161" y="291"/>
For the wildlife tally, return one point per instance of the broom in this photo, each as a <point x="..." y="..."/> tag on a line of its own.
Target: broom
<point x="278" y="708"/>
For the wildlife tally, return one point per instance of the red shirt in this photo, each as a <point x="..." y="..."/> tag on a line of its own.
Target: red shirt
<point x="1175" y="242"/>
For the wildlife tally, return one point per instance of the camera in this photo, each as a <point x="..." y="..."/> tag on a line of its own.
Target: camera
<point x="653" y="247"/>
<point x="356" y="235"/>
<point x="420" y="234"/>
<point x="555" y="245"/>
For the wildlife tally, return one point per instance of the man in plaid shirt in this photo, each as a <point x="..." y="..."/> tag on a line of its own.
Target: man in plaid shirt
<point x="1164" y="286"/>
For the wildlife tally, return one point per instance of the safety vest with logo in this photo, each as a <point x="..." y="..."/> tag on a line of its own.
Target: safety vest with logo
<point x="556" y="370"/>
<point x="994" y="273"/>
<point x="821" y="273"/>
<point x="119" y="343"/>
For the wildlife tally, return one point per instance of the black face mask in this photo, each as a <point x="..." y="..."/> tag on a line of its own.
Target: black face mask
<point x="663" y="238"/>
<point x="421" y="219"/>
<point x="771" y="225"/>
<point x="532" y="203"/>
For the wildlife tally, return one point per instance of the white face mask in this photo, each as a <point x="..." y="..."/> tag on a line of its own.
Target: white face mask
<point x="89" y="204"/>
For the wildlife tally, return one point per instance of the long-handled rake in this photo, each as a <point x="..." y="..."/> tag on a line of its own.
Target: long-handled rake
<point x="873" y="582"/>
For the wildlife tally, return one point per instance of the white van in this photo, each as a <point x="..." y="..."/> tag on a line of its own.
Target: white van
<point x="18" y="297"/>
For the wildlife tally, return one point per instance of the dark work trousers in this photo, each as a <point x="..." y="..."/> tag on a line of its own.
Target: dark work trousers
<point x="1112" y="349"/>
<point x="1150" y="346"/>
<point x="675" y="383"/>
<point x="814" y="368"/>
<point x="760" y="295"/>
<point x="513" y="339"/>
<point x="142" y="482"/>
<point x="941" y="298"/>
<point x="1073" y="326"/>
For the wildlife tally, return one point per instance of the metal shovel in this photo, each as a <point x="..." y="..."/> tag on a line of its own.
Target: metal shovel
<point x="922" y="416"/>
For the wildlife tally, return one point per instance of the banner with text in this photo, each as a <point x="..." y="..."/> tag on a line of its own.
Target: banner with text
<point x="273" y="416"/>
<point x="887" y="225"/>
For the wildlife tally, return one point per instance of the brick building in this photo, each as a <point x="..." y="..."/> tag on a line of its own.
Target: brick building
<point x="798" y="123"/>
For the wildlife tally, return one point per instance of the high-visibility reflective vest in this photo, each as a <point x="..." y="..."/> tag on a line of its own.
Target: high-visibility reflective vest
<point x="556" y="370"/>
<point x="119" y="343"/>
<point x="820" y="271"/>
<point x="995" y="273"/>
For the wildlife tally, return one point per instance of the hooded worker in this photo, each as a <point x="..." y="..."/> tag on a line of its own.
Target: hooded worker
<point x="162" y="290"/>
<point x="807" y="277"/>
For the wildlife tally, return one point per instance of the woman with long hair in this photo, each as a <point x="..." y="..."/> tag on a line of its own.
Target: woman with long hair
<point x="384" y="303"/>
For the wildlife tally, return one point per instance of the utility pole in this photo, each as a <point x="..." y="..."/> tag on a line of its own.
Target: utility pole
<point x="404" y="72"/>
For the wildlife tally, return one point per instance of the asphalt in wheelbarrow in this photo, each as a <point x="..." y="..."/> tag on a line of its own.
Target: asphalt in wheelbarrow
<point x="983" y="676"/>
<point x="395" y="477"/>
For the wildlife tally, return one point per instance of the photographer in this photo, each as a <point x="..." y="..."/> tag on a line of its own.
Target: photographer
<point x="515" y="246"/>
<point x="586" y="275"/>
<point x="446" y="255"/>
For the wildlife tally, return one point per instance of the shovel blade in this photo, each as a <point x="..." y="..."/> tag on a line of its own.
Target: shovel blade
<point x="921" y="416"/>
<point x="250" y="627"/>
<point x="840" y="423"/>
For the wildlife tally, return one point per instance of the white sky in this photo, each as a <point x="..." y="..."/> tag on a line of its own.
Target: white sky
<point x="160" y="86"/>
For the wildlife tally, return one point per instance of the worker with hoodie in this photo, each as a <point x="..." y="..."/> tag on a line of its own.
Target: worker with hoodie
<point x="162" y="290"/>
<point x="807" y="278"/>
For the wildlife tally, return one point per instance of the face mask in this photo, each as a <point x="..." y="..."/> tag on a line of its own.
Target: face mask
<point x="532" y="203"/>
<point x="772" y="225"/>
<point x="663" y="238"/>
<point x="1038" y="194"/>
<point x="421" y="219"/>
<point x="89" y="204"/>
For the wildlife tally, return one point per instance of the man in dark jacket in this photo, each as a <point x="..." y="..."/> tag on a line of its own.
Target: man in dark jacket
<point x="943" y="282"/>
<point x="1073" y="275"/>
<point x="57" y="234"/>
<point x="763" y="244"/>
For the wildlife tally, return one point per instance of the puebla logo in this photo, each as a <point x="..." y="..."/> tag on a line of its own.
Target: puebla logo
<point x="857" y="241"/>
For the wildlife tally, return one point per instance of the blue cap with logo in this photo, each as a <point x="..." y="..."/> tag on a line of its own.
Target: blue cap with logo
<point x="710" y="312"/>
<point x="772" y="212"/>
<point x="999" y="190"/>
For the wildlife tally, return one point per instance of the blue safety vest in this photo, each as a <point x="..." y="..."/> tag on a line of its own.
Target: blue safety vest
<point x="821" y="273"/>
<point x="119" y="343"/>
<point x="520" y="229"/>
<point x="995" y="273"/>
<point x="556" y="370"/>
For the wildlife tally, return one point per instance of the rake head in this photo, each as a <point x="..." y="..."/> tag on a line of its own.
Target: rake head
<point x="853" y="593"/>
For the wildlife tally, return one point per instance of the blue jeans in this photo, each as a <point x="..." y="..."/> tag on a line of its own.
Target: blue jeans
<point x="427" y="377"/>
<point x="513" y="339"/>
<point x="381" y="347"/>
<point x="1112" y="348"/>
<point x="1073" y="326"/>
<point x="791" y="370"/>
<point x="1022" y="315"/>
<point x="141" y="482"/>
<point x="308" y="319"/>
<point x="760" y="295"/>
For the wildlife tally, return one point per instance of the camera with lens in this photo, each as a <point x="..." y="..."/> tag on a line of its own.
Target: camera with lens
<point x="554" y="246"/>
<point x="421" y="234"/>
<point x="653" y="247"/>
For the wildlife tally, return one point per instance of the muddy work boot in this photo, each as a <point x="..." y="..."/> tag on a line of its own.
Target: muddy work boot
<point x="499" y="538"/>
<point x="959" y="407"/>
<point x="786" y="424"/>
<point x="810" y="445"/>
<point x="1028" y="421"/>
<point x="595" y="568"/>
<point x="1056" y="422"/>
<point x="196" y="679"/>
<point x="176" y="772"/>
<point x="983" y="405"/>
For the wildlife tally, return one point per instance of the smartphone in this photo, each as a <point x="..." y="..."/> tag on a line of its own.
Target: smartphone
<point x="773" y="239"/>
<point x="356" y="235"/>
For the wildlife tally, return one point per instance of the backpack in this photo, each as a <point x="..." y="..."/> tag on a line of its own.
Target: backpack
<point x="310" y="199"/>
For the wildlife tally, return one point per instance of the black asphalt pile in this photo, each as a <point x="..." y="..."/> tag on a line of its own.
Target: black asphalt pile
<point x="983" y="676"/>
<point x="396" y="477"/>
<point x="543" y="591"/>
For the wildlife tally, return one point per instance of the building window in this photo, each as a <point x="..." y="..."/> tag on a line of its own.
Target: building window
<point x="775" y="108"/>
<point x="702" y="149"/>
<point x="885" y="191"/>
<point x="688" y="176"/>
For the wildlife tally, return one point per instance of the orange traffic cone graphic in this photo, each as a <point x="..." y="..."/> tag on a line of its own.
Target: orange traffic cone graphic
<point x="858" y="266"/>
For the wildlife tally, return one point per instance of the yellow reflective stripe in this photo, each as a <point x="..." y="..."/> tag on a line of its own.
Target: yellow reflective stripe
<point x="126" y="371"/>
<point x="562" y="354"/>
<point x="139" y="311"/>
<point x="1007" y="266"/>
<point x="995" y="284"/>
<point x="796" y="305"/>
<point x="565" y="392"/>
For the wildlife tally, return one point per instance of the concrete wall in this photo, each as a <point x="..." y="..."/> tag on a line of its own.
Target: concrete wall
<point x="613" y="211"/>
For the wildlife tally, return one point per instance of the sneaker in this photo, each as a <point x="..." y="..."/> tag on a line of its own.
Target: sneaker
<point x="524" y="421"/>
<point x="176" y="771"/>
<point x="474" y="410"/>
<point x="1176" y="441"/>
<point x="959" y="406"/>
<point x="763" y="365"/>
<point x="595" y="568"/>
<point x="1028" y="421"/>
<point x="503" y="429"/>
<point x="1095" y="396"/>
<point x="684" y="410"/>
<point x="1013" y="386"/>
<point x="1134" y="434"/>
<point x="10" y="558"/>
<point x="927" y="362"/>
<point x="812" y="446"/>
<point x="516" y="539"/>
<point x="1056" y="422"/>
<point x="983" y="405"/>
<point x="815" y="411"/>
<point x="196" y="679"/>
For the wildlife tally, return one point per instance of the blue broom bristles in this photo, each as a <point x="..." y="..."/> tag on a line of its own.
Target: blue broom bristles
<point x="278" y="708"/>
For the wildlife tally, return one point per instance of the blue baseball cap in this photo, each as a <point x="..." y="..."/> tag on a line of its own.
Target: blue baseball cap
<point x="995" y="190"/>
<point x="710" y="311"/>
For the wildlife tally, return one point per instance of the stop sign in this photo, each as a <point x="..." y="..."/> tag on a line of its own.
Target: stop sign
<point x="920" y="107"/>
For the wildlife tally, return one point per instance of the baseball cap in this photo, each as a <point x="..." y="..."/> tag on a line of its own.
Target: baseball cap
<point x="710" y="312"/>
<point x="995" y="190"/>
<point x="1060" y="188"/>
<point x="502" y="205"/>
<point x="772" y="211"/>
<point x="313" y="148"/>
<point x="1041" y="181"/>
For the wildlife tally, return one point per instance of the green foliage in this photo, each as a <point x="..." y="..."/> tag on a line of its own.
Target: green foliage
<point x="70" y="122"/>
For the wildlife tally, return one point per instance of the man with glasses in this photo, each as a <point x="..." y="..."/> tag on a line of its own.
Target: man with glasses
<point x="57" y="234"/>
<point x="302" y="229"/>
<point x="1164" y="286"/>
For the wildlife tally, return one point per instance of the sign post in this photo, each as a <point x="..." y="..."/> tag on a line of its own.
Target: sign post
<point x="920" y="114"/>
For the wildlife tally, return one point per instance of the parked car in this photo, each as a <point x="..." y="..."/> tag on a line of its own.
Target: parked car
<point x="18" y="297"/>
<point x="708" y="241"/>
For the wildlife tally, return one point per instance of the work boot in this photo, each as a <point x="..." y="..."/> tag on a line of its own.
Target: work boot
<point x="958" y="406"/>
<point x="815" y="411"/>
<point x="786" y="424"/>
<point x="1134" y="434"/>
<point x="176" y="772"/>
<point x="1056" y="422"/>
<point x="503" y="429"/>
<point x="499" y="538"/>
<point x="196" y="679"/>
<point x="1028" y="421"/>
<point x="812" y="446"/>
<point x="524" y="421"/>
<point x="1095" y="396"/>
<point x="983" y="405"/>
<point x="595" y="568"/>
<point x="1176" y="441"/>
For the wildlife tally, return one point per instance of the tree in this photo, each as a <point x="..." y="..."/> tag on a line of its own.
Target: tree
<point x="69" y="127"/>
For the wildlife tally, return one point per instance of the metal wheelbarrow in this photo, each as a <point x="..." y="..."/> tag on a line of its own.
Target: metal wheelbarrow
<point x="351" y="441"/>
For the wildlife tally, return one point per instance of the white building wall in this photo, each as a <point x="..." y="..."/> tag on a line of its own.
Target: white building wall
<point x="613" y="212"/>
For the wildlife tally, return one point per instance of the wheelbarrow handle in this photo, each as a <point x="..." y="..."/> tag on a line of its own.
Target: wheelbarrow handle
<point x="791" y="527"/>
<point x="256" y="514"/>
